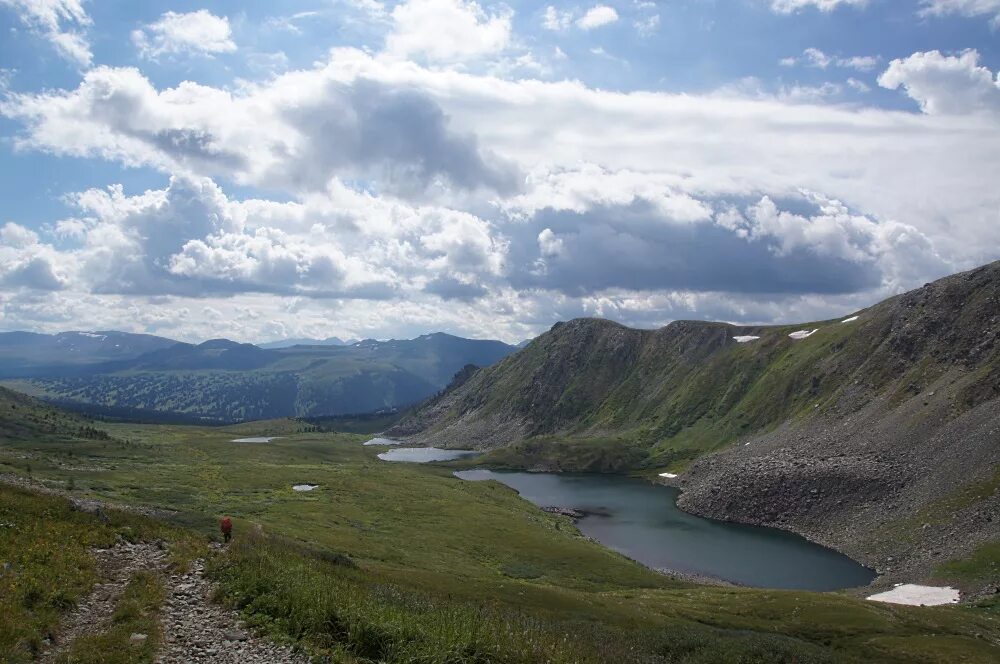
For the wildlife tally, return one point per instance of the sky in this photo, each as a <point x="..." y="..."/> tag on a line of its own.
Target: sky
<point x="358" y="168"/>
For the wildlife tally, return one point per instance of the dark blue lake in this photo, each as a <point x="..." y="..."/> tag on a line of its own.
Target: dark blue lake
<point x="642" y="521"/>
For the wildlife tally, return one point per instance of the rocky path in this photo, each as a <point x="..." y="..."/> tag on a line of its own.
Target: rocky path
<point x="115" y="567"/>
<point x="196" y="630"/>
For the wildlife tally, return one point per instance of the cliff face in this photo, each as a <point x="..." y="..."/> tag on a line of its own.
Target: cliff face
<point x="878" y="433"/>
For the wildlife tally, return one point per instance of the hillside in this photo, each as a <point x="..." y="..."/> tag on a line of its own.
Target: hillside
<point x="884" y="419"/>
<point x="224" y="381"/>
<point x="23" y="418"/>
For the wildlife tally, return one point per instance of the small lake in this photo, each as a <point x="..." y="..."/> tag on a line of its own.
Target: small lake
<point x="255" y="439"/>
<point x="642" y="521"/>
<point x="424" y="454"/>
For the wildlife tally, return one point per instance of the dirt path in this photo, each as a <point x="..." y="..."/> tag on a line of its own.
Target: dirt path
<point x="115" y="567"/>
<point x="196" y="630"/>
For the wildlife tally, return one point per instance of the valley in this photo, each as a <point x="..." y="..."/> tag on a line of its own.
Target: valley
<point x="220" y="381"/>
<point x="873" y="436"/>
<point x="432" y="564"/>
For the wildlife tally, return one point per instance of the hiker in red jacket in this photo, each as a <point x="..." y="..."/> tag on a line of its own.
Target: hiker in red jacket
<point x="227" y="528"/>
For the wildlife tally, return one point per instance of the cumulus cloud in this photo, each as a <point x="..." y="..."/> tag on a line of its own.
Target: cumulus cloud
<point x="597" y="16"/>
<point x="745" y="246"/>
<point x="969" y="8"/>
<point x="945" y="84"/>
<point x="297" y="131"/>
<point x="62" y="22"/>
<point x="27" y="263"/>
<point x="490" y="206"/>
<point x="447" y="30"/>
<point x="194" y="33"/>
<point x="191" y="240"/>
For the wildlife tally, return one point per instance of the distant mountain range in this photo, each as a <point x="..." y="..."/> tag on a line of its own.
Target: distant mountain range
<point x="288" y="343"/>
<point x="128" y="375"/>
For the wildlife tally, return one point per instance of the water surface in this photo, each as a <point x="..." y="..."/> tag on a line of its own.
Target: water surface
<point x="255" y="439"/>
<point x="424" y="454"/>
<point x="642" y="521"/>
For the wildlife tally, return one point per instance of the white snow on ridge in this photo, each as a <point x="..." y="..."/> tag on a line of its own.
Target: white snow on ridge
<point x="917" y="595"/>
<point x="802" y="334"/>
<point x="669" y="476"/>
<point x="745" y="338"/>
<point x="851" y="319"/>
<point x="102" y="337"/>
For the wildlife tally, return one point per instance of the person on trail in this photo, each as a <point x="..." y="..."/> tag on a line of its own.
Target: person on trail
<point x="227" y="528"/>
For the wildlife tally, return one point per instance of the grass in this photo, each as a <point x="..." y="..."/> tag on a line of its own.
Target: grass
<point x="407" y="561"/>
<point x="136" y="613"/>
<point x="46" y="565"/>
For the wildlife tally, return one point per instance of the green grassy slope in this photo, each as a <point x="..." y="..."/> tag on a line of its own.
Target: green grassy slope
<point x="666" y="396"/>
<point x="23" y="418"/>
<point x="443" y="570"/>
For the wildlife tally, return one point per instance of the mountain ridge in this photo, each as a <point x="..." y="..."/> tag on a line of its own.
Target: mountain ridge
<point x="846" y="430"/>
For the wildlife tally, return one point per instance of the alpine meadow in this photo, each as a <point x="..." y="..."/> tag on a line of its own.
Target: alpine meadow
<point x="482" y="332"/>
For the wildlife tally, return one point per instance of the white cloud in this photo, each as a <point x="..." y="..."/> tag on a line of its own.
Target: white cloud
<point x="858" y="86"/>
<point x="554" y="19"/>
<point x="817" y="58"/>
<point x="596" y="17"/>
<point x="548" y="244"/>
<point x="790" y="6"/>
<point x="648" y="24"/>
<point x="969" y="8"/>
<point x="814" y="57"/>
<point x="26" y="263"/>
<point x="298" y="130"/>
<point x="62" y="22"/>
<point x="447" y="30"/>
<point x="196" y="33"/>
<point x="860" y="62"/>
<point x="945" y="84"/>
<point x="666" y="216"/>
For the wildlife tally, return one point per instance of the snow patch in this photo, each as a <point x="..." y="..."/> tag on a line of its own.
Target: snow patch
<point x="102" y="337"/>
<point x="669" y="476"/>
<point x="745" y="338"/>
<point x="255" y="439"/>
<point x="304" y="487"/>
<point x="851" y="319"/>
<point x="381" y="441"/>
<point x="802" y="334"/>
<point x="916" y="595"/>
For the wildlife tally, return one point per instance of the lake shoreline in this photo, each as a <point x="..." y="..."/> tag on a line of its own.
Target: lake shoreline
<point x="637" y="523"/>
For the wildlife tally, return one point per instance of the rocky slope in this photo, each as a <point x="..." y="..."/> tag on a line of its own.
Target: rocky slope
<point x="879" y="433"/>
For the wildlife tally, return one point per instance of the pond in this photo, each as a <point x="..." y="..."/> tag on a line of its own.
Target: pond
<point x="424" y="454"/>
<point x="642" y="521"/>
